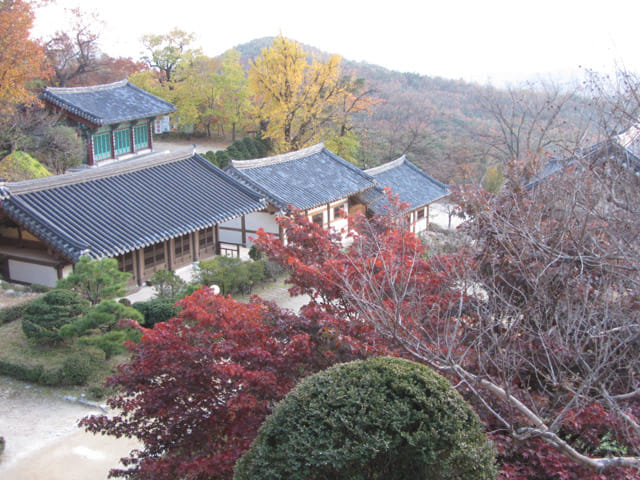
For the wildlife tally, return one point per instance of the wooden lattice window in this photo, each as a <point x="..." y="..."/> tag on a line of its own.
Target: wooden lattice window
<point x="182" y="245"/>
<point x="102" y="146"/>
<point x="141" y="136"/>
<point x="123" y="141"/>
<point x="206" y="238"/>
<point x="153" y="255"/>
<point x="125" y="262"/>
<point x="421" y="214"/>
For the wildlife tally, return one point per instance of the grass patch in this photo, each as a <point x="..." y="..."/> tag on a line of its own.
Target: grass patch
<point x="22" y="359"/>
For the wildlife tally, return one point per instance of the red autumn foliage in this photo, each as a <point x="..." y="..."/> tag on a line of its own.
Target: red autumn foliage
<point x="198" y="387"/>
<point x="434" y="308"/>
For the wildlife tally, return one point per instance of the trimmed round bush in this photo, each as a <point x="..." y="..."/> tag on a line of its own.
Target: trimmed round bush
<point x="78" y="367"/>
<point x="383" y="418"/>
<point x="43" y="318"/>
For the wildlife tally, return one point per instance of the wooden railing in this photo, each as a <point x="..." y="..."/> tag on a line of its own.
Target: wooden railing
<point x="229" y="249"/>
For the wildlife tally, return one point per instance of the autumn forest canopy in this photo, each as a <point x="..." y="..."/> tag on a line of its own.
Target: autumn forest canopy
<point x="531" y="314"/>
<point x="295" y="96"/>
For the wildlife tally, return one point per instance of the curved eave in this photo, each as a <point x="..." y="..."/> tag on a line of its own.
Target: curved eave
<point x="333" y="199"/>
<point x="178" y="233"/>
<point x="72" y="250"/>
<point x="65" y="105"/>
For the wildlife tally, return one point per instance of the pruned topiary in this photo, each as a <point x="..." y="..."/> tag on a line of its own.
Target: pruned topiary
<point x="383" y="418"/>
<point x="44" y="317"/>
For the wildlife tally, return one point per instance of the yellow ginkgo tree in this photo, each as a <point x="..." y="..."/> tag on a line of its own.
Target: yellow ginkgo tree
<point x="302" y="103"/>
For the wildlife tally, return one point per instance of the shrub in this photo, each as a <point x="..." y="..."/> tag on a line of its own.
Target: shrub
<point x="78" y="367"/>
<point x="96" y="392"/>
<point x="156" y="310"/>
<point x="9" y="314"/>
<point x="21" y="372"/>
<point x="19" y="166"/>
<point x="96" y="280"/>
<point x="241" y="148"/>
<point x="50" y="378"/>
<point x="231" y="274"/>
<point x="379" y="418"/>
<point x="103" y="316"/>
<point x="272" y="269"/>
<point x="38" y="288"/>
<point x="210" y="155"/>
<point x="167" y="284"/>
<point x="43" y="318"/>
<point x="263" y="145"/>
<point x="234" y="153"/>
<point x="250" y="146"/>
<point x="222" y="158"/>
<point x="112" y="343"/>
<point x="255" y="253"/>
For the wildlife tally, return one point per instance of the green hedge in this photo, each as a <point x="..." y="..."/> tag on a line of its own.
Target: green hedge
<point x="76" y="370"/>
<point x="9" y="314"/>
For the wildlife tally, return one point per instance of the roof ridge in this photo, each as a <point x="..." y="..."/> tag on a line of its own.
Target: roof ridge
<point x="273" y="160"/>
<point x="90" y="88"/>
<point x="113" y="169"/>
<point x="386" y="166"/>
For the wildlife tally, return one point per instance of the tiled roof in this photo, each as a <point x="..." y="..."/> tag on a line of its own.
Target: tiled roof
<point x="107" y="104"/>
<point x="411" y="184"/>
<point x="129" y="205"/>
<point x="304" y="179"/>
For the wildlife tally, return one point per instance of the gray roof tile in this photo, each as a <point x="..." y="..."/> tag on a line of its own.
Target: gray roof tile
<point x="304" y="179"/>
<point x="121" y="207"/>
<point x="108" y="104"/>
<point x="411" y="184"/>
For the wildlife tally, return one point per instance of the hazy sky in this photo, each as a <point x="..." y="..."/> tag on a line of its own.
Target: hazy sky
<point x="477" y="40"/>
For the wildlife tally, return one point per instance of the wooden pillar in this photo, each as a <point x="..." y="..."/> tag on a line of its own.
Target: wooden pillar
<point x="216" y="238"/>
<point x="133" y="139"/>
<point x="150" y="134"/>
<point x="165" y="245"/>
<point x="195" y="246"/>
<point x="427" y="217"/>
<point x="172" y="254"/>
<point x="138" y="261"/>
<point x="112" y="139"/>
<point x="244" y="230"/>
<point x="90" y="159"/>
<point x="328" y="215"/>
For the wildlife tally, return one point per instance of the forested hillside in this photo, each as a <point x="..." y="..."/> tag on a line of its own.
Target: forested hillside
<point x="454" y="129"/>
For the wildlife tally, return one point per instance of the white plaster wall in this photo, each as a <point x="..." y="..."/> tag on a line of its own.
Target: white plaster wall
<point x="230" y="236"/>
<point x="235" y="223"/>
<point x="32" y="273"/>
<point x="421" y="225"/>
<point x="267" y="221"/>
<point x="339" y="224"/>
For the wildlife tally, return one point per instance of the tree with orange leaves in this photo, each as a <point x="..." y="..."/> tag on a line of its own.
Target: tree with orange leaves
<point x="21" y="59"/>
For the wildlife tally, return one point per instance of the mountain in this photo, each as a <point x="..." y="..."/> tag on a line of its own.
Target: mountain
<point x="448" y="127"/>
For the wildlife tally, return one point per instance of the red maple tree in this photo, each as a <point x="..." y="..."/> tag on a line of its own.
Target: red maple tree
<point x="198" y="387"/>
